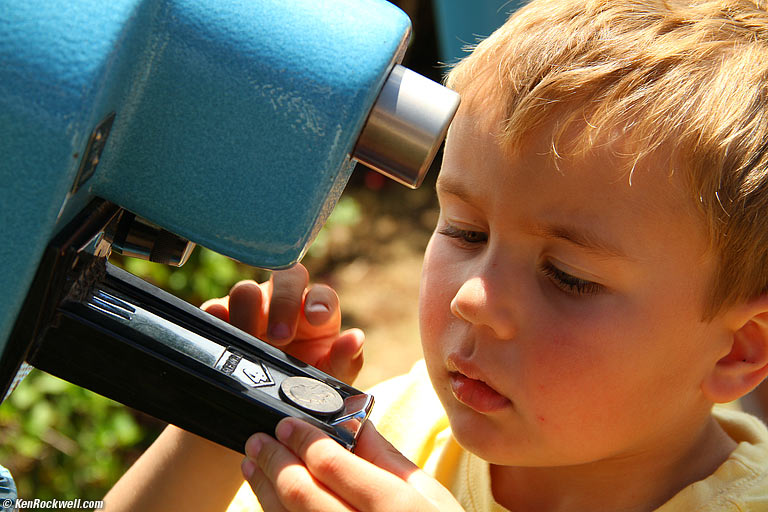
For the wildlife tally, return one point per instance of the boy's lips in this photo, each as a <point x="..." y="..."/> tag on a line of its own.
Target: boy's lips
<point x="469" y="387"/>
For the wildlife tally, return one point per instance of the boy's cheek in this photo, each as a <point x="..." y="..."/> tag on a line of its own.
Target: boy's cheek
<point x="435" y="294"/>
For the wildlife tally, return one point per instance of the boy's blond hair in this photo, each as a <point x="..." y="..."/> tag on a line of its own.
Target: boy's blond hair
<point x="685" y="79"/>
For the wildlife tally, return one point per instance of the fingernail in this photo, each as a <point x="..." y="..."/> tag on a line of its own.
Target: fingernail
<point x="317" y="313"/>
<point x="247" y="468"/>
<point x="284" y="430"/>
<point x="279" y="331"/>
<point x="317" y="307"/>
<point x="252" y="447"/>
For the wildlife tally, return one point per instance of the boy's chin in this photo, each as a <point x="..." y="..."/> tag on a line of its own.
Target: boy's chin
<point x="481" y="436"/>
<point x="499" y="444"/>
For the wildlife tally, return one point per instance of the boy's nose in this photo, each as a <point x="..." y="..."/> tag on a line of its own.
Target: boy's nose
<point x="479" y="304"/>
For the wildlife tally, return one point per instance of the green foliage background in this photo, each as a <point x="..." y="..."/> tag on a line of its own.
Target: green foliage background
<point x="61" y="441"/>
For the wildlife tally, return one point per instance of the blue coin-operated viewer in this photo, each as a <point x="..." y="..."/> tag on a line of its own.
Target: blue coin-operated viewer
<point x="145" y="126"/>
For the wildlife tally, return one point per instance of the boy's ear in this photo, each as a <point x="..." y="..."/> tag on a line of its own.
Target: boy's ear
<point x="746" y="364"/>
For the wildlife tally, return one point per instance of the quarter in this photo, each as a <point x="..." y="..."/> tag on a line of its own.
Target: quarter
<point x="311" y="395"/>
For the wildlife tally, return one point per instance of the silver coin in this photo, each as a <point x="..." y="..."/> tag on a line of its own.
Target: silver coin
<point x="311" y="395"/>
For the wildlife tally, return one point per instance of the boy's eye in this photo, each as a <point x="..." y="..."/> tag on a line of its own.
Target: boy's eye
<point x="464" y="236"/>
<point x="568" y="283"/>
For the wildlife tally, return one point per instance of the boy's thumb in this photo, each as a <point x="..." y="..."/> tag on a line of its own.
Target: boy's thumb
<point x="374" y="448"/>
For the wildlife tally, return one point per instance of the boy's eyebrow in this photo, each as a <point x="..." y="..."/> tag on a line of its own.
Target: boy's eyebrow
<point x="586" y="239"/>
<point x="455" y="188"/>
<point x="580" y="237"/>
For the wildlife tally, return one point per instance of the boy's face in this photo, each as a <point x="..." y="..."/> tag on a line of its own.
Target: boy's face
<point x="561" y="306"/>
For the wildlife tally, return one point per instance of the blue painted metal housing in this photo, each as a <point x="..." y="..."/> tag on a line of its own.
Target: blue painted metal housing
<point x="233" y="126"/>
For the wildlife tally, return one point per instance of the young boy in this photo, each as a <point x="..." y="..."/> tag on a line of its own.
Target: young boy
<point x="595" y="283"/>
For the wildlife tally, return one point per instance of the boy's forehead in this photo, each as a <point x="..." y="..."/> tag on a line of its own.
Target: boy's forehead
<point x="471" y="123"/>
<point x="475" y="139"/>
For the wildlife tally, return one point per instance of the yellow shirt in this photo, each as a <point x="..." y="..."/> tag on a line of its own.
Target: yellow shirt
<point x="409" y="415"/>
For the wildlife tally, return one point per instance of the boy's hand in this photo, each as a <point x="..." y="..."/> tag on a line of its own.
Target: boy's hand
<point x="307" y="470"/>
<point x="304" y="321"/>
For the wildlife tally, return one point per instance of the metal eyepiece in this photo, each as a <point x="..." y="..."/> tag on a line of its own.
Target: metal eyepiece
<point x="406" y="126"/>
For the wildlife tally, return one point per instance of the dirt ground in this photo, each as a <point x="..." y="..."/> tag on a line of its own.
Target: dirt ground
<point x="382" y="299"/>
<point x="376" y="270"/>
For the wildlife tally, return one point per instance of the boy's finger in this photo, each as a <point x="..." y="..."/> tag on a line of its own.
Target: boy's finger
<point x="217" y="307"/>
<point x="345" y="359"/>
<point x="261" y="487"/>
<point x="373" y="447"/>
<point x="321" y="306"/>
<point x="245" y="307"/>
<point x="285" y="304"/>
<point x="295" y="487"/>
<point x="363" y="485"/>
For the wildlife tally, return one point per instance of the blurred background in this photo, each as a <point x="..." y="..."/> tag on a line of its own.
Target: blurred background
<point x="61" y="441"/>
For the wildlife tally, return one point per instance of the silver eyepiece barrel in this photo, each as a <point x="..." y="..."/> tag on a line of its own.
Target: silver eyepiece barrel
<point x="406" y="126"/>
